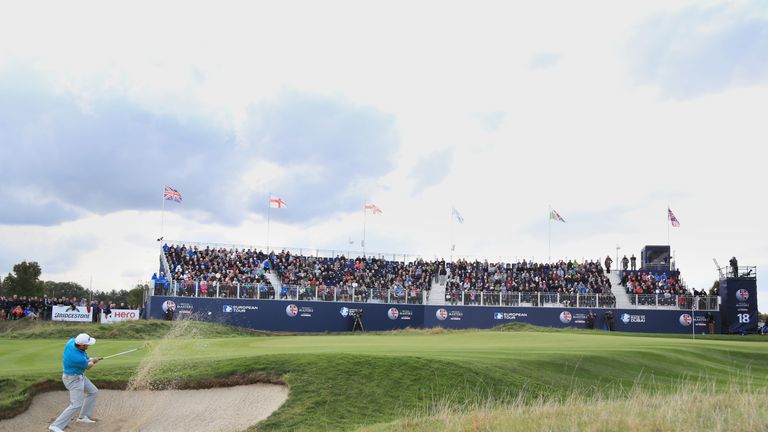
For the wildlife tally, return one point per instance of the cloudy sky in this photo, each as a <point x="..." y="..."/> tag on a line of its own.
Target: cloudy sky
<point x="607" y="111"/>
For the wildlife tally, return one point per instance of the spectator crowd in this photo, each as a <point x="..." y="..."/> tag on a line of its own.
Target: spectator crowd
<point x="468" y="280"/>
<point x="205" y="271"/>
<point x="22" y="307"/>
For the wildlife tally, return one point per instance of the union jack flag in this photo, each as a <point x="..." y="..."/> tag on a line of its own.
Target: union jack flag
<point x="373" y="209"/>
<point x="672" y="218"/>
<point x="172" y="194"/>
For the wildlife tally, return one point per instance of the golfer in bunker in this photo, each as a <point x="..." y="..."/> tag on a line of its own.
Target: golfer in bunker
<point x="82" y="392"/>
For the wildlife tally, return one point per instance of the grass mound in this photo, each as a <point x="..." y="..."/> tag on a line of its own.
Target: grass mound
<point x="136" y="330"/>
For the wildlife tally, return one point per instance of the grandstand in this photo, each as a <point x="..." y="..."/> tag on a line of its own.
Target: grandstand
<point x="243" y="272"/>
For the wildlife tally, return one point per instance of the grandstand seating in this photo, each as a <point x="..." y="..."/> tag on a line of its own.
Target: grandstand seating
<point x="243" y="273"/>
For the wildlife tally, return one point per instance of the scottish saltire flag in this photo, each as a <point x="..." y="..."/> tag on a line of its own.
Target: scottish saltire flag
<point x="172" y="194"/>
<point x="276" y="202"/>
<point x="373" y="209"/>
<point x="455" y="213"/>
<point x="672" y="218"/>
<point x="556" y="216"/>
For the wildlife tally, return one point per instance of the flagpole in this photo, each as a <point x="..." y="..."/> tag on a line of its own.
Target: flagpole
<point x="453" y="244"/>
<point x="693" y="317"/>
<point x="550" y="235"/>
<point x="269" y="205"/>
<point x="365" y="204"/>
<point x="162" y="215"/>
<point x="669" y="222"/>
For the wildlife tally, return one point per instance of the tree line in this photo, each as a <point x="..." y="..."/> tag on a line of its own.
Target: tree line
<point x="25" y="281"/>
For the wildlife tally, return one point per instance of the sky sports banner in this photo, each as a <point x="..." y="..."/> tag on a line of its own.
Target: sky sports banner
<point x="308" y="316"/>
<point x="69" y="313"/>
<point x="120" y="315"/>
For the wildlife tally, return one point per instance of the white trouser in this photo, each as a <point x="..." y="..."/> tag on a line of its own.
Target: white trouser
<point x="82" y="396"/>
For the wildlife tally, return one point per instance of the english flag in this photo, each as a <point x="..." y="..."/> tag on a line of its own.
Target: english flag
<point x="672" y="218"/>
<point x="373" y="209"/>
<point x="276" y="202"/>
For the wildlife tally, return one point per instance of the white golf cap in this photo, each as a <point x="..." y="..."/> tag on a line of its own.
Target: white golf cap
<point x="84" y="339"/>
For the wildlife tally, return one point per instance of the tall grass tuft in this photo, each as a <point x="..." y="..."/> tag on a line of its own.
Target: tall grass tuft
<point x="691" y="406"/>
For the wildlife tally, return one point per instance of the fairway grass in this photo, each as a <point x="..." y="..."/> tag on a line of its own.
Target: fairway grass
<point x="416" y="379"/>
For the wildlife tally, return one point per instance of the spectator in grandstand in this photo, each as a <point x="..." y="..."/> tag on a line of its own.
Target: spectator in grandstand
<point x="608" y="262"/>
<point x="633" y="262"/>
<point x="625" y="263"/>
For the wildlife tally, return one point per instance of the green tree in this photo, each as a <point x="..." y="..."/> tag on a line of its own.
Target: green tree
<point x="136" y="295"/>
<point x="65" y="289"/>
<point x="24" y="281"/>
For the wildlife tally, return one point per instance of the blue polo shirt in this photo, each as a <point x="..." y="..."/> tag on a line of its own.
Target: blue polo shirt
<point x="74" y="360"/>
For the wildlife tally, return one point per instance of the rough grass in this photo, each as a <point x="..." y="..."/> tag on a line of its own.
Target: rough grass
<point x="692" y="406"/>
<point x="23" y="329"/>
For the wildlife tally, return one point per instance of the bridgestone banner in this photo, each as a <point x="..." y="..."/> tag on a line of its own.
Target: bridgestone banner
<point x="68" y="313"/>
<point x="119" y="315"/>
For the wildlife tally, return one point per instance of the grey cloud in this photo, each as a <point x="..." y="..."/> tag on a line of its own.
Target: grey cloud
<point x="343" y="145"/>
<point x="702" y="49"/>
<point x="431" y="170"/>
<point x="116" y="155"/>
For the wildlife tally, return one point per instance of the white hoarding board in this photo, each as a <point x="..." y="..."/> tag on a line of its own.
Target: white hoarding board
<point x="119" y="315"/>
<point x="68" y="313"/>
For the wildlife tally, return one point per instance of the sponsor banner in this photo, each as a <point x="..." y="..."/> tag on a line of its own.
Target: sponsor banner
<point x="510" y="316"/>
<point x="68" y="313"/>
<point x="319" y="316"/>
<point x="302" y="311"/>
<point x="401" y="314"/>
<point x="119" y="315"/>
<point x="238" y="308"/>
<point x="628" y="318"/>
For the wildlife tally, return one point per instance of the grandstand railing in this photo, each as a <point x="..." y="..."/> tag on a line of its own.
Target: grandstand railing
<point x="675" y="301"/>
<point x="416" y="296"/>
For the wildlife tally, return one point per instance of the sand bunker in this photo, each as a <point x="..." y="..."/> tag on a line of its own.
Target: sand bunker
<point x="217" y="409"/>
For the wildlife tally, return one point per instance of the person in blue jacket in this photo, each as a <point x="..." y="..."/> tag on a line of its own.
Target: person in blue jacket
<point x="82" y="392"/>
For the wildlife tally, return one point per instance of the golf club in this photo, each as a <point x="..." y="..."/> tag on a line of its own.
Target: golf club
<point x="124" y="352"/>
